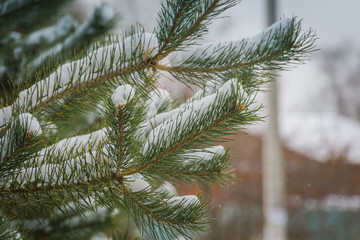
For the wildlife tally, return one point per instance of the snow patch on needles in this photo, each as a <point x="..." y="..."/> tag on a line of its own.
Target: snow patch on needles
<point x="190" y="111"/>
<point x="264" y="39"/>
<point x="30" y="123"/>
<point x="5" y="115"/>
<point x="319" y="136"/>
<point x="204" y="154"/>
<point x="76" y="143"/>
<point x="156" y="98"/>
<point x="137" y="183"/>
<point x="101" y="61"/>
<point x="168" y="187"/>
<point x="185" y="200"/>
<point x="123" y="95"/>
<point x="29" y="126"/>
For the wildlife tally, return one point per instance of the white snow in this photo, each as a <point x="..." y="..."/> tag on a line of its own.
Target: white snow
<point x="100" y="236"/>
<point x="191" y="111"/>
<point x="156" y="98"/>
<point x="160" y="118"/>
<point x="123" y="94"/>
<point x="5" y="115"/>
<point x="3" y="70"/>
<point x="185" y="200"/>
<point x="73" y="170"/>
<point x="319" y="136"/>
<point x="268" y="37"/>
<point x="30" y="123"/>
<point x="77" y="143"/>
<point x="204" y="154"/>
<point x="105" y="59"/>
<point x="168" y="187"/>
<point x="137" y="183"/>
<point x="323" y="136"/>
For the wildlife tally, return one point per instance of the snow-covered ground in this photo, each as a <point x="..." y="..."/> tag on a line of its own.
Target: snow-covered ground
<point x="319" y="136"/>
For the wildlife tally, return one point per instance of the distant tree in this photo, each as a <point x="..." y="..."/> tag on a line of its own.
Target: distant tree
<point x="342" y="69"/>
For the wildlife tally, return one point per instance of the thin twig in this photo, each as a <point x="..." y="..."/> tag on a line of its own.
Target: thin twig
<point x="121" y="138"/>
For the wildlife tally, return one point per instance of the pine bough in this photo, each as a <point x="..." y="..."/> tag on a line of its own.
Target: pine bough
<point x="52" y="188"/>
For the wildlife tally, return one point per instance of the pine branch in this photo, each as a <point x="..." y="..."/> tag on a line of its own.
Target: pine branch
<point x="15" y="152"/>
<point x="121" y="139"/>
<point x="189" y="19"/>
<point x="139" y="169"/>
<point x="125" y="60"/>
<point x="198" y="165"/>
<point x="173" y="216"/>
<point x="275" y="48"/>
<point x="195" y="120"/>
<point x="41" y="39"/>
<point x="174" y="26"/>
<point x="60" y="187"/>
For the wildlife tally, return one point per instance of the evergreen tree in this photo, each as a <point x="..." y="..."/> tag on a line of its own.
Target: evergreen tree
<point x="59" y="180"/>
<point x="32" y="32"/>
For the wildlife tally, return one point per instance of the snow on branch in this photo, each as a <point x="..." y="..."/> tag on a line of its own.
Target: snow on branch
<point x="176" y="28"/>
<point x="274" y="47"/>
<point x="172" y="216"/>
<point x="156" y="100"/>
<point x="206" y="154"/>
<point x="83" y="168"/>
<point x="204" y="165"/>
<point x="136" y="183"/>
<point x="196" y="114"/>
<point x="76" y="144"/>
<point x="123" y="95"/>
<point x="100" y="65"/>
<point x="22" y="129"/>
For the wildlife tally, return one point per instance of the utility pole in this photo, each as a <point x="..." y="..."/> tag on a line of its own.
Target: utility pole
<point x="275" y="214"/>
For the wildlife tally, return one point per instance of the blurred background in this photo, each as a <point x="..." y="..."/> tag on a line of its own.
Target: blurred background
<point x="318" y="121"/>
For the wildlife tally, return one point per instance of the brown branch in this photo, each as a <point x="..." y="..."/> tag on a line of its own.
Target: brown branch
<point x="58" y="187"/>
<point x="121" y="138"/>
<point x="220" y="69"/>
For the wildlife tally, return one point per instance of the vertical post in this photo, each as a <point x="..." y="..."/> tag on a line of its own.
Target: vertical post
<point x="275" y="214"/>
